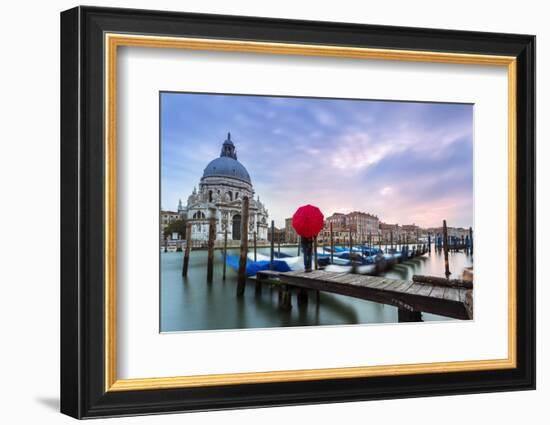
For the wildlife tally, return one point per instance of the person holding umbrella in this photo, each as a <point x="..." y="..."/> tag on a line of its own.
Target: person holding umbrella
<point x="308" y="221"/>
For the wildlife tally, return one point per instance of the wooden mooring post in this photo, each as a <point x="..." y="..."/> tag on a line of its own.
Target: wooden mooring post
<point x="211" y="240"/>
<point x="255" y="246"/>
<point x="353" y="266"/>
<point x="315" y="253"/>
<point x="188" y="242"/>
<point x="331" y="245"/>
<point x="446" y="248"/>
<point x="241" y="283"/>
<point x="224" y="252"/>
<point x="272" y="253"/>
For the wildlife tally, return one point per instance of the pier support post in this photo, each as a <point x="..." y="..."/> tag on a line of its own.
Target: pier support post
<point x="302" y="297"/>
<point x="285" y="298"/>
<point x="446" y="248"/>
<point x="244" y="248"/>
<point x="211" y="239"/>
<point x="188" y="242"/>
<point x="404" y="315"/>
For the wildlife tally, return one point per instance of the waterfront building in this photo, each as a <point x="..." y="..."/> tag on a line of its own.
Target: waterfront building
<point x="337" y="220"/>
<point x="290" y="234"/>
<point x="458" y="232"/>
<point x="389" y="232"/>
<point x="222" y="187"/>
<point x="167" y="217"/>
<point x="278" y="235"/>
<point x="410" y="233"/>
<point x="362" y="226"/>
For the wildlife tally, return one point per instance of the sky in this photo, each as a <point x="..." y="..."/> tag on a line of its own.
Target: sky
<point x="406" y="162"/>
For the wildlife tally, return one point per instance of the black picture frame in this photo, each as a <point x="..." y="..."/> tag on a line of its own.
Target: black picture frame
<point x="83" y="392"/>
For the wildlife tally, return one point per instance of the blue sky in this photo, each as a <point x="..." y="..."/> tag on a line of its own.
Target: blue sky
<point x="407" y="162"/>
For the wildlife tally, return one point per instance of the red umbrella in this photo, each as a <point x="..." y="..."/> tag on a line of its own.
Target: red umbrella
<point x="308" y="221"/>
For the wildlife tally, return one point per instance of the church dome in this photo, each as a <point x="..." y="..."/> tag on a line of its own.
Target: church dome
<point x="227" y="164"/>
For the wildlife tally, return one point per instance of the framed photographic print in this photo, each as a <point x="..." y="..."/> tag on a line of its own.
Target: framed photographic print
<point x="261" y="212"/>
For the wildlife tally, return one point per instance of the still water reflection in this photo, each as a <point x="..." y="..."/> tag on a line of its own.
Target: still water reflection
<point x="189" y="304"/>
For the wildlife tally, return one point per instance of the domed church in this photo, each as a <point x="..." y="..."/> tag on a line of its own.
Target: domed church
<point x="224" y="183"/>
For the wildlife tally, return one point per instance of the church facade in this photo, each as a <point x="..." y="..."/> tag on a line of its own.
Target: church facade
<point x="224" y="184"/>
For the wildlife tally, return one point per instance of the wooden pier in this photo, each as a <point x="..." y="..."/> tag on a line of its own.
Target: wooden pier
<point x="410" y="297"/>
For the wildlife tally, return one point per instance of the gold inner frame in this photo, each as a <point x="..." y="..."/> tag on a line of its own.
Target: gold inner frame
<point x="113" y="41"/>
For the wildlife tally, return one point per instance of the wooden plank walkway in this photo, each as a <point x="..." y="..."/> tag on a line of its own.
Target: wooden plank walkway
<point x="407" y="295"/>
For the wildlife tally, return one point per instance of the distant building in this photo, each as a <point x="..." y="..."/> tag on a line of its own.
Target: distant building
<point x="290" y="234"/>
<point x="363" y="226"/>
<point x="458" y="232"/>
<point x="337" y="220"/>
<point x="339" y="229"/>
<point x="390" y="232"/>
<point x="278" y="235"/>
<point x="167" y="217"/>
<point x="410" y="233"/>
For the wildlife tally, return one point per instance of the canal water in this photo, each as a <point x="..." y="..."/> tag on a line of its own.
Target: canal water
<point x="191" y="304"/>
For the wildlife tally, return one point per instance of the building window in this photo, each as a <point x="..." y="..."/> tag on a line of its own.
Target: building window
<point x="199" y="214"/>
<point x="236" y="230"/>
<point x="209" y="196"/>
